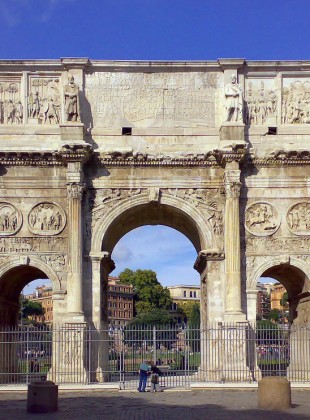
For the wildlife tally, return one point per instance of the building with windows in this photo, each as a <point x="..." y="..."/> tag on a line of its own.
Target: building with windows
<point x="43" y="295"/>
<point x="276" y="296"/>
<point x="263" y="301"/>
<point x="184" y="293"/>
<point x="181" y="295"/>
<point x="120" y="302"/>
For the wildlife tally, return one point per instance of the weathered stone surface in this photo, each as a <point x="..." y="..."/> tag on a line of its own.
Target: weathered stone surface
<point x="90" y="150"/>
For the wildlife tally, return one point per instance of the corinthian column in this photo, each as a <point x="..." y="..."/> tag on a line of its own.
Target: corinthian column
<point x="75" y="247"/>
<point x="233" y="311"/>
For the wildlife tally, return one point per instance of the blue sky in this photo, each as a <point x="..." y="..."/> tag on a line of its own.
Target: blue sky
<point x="155" y="30"/>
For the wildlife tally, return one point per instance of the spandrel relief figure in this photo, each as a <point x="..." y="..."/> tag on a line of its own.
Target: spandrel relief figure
<point x="234" y="101"/>
<point x="261" y="219"/>
<point x="298" y="219"/>
<point x="296" y="103"/>
<point x="46" y="219"/>
<point x="71" y="92"/>
<point x="10" y="219"/>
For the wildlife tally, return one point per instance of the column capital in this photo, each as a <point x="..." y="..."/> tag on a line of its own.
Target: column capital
<point x="75" y="190"/>
<point x="204" y="256"/>
<point x="232" y="183"/>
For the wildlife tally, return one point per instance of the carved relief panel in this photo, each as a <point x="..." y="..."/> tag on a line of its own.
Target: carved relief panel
<point x="296" y="101"/>
<point x="298" y="218"/>
<point x="260" y="102"/>
<point x="44" y="100"/>
<point x="147" y="99"/>
<point x="11" y="108"/>
<point x="10" y="219"/>
<point x="46" y="219"/>
<point x="261" y="219"/>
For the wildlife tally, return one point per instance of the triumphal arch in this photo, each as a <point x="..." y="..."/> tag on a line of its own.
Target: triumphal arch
<point x="218" y="150"/>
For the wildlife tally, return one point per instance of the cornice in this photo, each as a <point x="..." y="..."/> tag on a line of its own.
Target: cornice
<point x="76" y="152"/>
<point x="143" y="160"/>
<point x="30" y="159"/>
<point x="280" y="158"/>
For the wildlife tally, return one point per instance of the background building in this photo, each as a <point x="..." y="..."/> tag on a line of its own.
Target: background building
<point x="43" y="295"/>
<point x="120" y="302"/>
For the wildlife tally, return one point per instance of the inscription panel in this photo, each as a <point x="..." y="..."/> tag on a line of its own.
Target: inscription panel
<point x="144" y="99"/>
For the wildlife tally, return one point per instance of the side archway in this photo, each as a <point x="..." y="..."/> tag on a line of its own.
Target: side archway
<point x="292" y="272"/>
<point x="15" y="273"/>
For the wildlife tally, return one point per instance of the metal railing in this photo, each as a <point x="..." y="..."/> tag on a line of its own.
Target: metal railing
<point x="82" y="354"/>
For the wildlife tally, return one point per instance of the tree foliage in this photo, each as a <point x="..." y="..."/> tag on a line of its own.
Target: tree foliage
<point x="153" y="317"/>
<point x="284" y="300"/>
<point x="30" y="308"/>
<point x="194" y="315"/>
<point x="149" y="294"/>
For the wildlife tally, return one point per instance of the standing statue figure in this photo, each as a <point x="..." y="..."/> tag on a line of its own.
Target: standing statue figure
<point x="234" y="100"/>
<point x="71" y="92"/>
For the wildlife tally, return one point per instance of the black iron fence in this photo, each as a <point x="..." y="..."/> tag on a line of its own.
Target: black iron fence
<point x="80" y="354"/>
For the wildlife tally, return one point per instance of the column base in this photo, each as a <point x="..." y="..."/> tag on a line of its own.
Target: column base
<point x="73" y="318"/>
<point x="234" y="316"/>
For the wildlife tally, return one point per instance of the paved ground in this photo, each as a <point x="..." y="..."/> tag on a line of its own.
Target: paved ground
<point x="172" y="405"/>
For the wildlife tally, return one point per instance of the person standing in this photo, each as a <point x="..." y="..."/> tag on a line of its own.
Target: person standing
<point x="155" y="372"/>
<point x="143" y="372"/>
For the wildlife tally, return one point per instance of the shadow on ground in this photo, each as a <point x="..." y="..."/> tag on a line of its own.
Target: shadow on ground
<point x="196" y="405"/>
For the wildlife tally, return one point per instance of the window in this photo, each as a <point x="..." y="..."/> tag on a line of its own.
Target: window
<point x="184" y="293"/>
<point x="190" y="294"/>
<point x="195" y="294"/>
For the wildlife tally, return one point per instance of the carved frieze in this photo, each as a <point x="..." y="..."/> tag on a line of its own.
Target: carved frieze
<point x="261" y="102"/>
<point x="46" y="219"/>
<point x="298" y="218"/>
<point x="10" y="219"/>
<point x="44" y="100"/>
<point x="30" y="244"/>
<point x="277" y="245"/>
<point x="261" y="219"/>
<point x="11" y="108"/>
<point x="296" y="101"/>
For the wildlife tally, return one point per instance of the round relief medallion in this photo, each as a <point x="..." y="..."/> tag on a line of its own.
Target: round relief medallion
<point x="46" y="219"/>
<point x="261" y="219"/>
<point x="10" y="219"/>
<point x="298" y="218"/>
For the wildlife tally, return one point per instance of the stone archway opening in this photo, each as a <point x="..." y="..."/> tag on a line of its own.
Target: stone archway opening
<point x="170" y="255"/>
<point x="296" y="283"/>
<point x="11" y="285"/>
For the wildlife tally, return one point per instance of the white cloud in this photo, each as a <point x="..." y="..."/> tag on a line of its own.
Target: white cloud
<point x="164" y="250"/>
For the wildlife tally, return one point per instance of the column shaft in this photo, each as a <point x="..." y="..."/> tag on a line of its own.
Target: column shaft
<point x="232" y="246"/>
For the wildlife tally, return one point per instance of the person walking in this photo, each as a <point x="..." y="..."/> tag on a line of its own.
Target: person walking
<point x="143" y="372"/>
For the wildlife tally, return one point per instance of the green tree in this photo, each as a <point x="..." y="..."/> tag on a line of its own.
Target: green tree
<point x="194" y="328"/>
<point x="30" y="308"/>
<point x="153" y="317"/>
<point x="274" y="314"/>
<point x="148" y="292"/>
<point x="194" y="315"/>
<point x="284" y="300"/>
